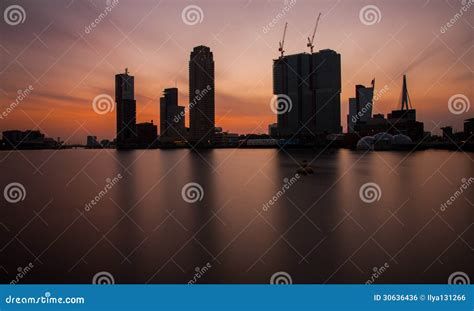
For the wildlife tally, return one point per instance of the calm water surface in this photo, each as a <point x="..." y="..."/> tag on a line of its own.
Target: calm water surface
<point x="318" y="231"/>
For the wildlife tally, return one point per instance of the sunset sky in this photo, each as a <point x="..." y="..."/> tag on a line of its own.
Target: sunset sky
<point x="68" y="66"/>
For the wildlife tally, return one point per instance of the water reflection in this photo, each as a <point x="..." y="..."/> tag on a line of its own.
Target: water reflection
<point x="318" y="230"/>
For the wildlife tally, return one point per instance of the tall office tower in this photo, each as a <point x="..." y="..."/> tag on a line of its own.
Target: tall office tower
<point x="360" y="107"/>
<point x="201" y="96"/>
<point x="327" y="84"/>
<point x="171" y="117"/>
<point x="313" y="84"/>
<point x="291" y="78"/>
<point x="126" y="110"/>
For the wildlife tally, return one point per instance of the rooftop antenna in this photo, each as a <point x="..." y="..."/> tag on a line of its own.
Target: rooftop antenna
<point x="311" y="40"/>
<point x="282" y="42"/>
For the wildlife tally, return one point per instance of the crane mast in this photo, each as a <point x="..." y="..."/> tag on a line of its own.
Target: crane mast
<point x="282" y="42"/>
<point x="311" y="40"/>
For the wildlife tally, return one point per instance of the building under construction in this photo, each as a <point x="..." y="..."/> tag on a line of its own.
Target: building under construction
<point x="308" y="87"/>
<point x="312" y="85"/>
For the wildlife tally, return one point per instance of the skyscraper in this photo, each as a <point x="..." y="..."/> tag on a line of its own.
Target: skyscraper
<point x="313" y="84"/>
<point x="326" y="68"/>
<point x="126" y="110"/>
<point x="171" y="117"/>
<point x="201" y="96"/>
<point x="291" y="77"/>
<point x="360" y="107"/>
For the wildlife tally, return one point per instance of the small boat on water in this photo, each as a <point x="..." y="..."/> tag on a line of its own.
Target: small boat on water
<point x="305" y="168"/>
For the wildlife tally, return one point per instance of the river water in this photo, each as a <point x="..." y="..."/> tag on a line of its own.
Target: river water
<point x="244" y="216"/>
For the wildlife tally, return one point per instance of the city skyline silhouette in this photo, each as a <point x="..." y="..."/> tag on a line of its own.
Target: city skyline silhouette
<point x="435" y="60"/>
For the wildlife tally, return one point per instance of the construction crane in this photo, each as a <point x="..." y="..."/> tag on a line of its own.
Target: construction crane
<point x="282" y="42"/>
<point x="311" y="40"/>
